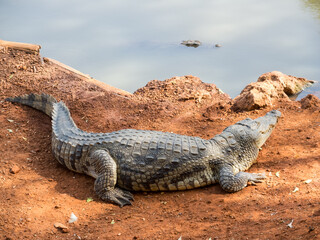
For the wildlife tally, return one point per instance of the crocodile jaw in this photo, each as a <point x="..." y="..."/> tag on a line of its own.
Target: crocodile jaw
<point x="258" y="129"/>
<point x="264" y="126"/>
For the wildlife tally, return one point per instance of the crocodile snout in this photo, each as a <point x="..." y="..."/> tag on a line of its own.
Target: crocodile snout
<point x="266" y="124"/>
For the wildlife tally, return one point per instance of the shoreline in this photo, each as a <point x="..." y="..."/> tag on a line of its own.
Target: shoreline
<point x="37" y="192"/>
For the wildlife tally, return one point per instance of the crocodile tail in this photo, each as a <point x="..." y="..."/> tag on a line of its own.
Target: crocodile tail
<point x="43" y="102"/>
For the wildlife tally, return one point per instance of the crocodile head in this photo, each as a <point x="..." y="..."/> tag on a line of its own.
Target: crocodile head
<point x="261" y="128"/>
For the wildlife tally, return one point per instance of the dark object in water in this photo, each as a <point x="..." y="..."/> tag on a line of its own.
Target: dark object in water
<point x="191" y="43"/>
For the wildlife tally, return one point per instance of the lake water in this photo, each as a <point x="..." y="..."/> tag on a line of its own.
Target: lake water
<point x="127" y="43"/>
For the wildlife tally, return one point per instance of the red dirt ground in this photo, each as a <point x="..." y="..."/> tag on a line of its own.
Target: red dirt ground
<point x="42" y="193"/>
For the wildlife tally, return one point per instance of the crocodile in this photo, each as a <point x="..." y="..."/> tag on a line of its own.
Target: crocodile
<point x="142" y="160"/>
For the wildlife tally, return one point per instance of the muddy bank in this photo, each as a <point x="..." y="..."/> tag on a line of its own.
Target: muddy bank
<point x="37" y="193"/>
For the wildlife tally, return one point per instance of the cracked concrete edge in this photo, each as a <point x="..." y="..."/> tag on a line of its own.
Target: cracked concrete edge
<point x="27" y="47"/>
<point x="34" y="48"/>
<point x="87" y="78"/>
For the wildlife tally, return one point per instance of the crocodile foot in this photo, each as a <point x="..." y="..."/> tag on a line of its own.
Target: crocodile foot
<point x="117" y="196"/>
<point x="254" y="178"/>
<point x="233" y="183"/>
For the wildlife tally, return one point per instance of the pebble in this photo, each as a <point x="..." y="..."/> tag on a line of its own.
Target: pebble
<point x="61" y="227"/>
<point x="73" y="218"/>
<point x="15" y="169"/>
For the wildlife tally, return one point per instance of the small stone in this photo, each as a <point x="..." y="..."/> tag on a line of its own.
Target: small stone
<point x="63" y="228"/>
<point x="15" y="169"/>
<point x="73" y="218"/>
<point x="308" y="181"/>
<point x="295" y="190"/>
<point x="290" y="224"/>
<point x="311" y="228"/>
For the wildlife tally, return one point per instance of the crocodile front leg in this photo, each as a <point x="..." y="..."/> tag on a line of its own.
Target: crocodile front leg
<point x="233" y="183"/>
<point x="106" y="170"/>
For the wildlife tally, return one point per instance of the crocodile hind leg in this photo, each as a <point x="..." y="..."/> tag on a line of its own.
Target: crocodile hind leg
<point x="233" y="183"/>
<point x="105" y="169"/>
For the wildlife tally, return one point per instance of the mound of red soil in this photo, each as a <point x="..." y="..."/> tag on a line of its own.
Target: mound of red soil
<point x="310" y="101"/>
<point x="183" y="89"/>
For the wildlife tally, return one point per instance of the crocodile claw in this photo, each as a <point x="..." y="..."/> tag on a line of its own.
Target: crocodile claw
<point x="254" y="178"/>
<point x="118" y="196"/>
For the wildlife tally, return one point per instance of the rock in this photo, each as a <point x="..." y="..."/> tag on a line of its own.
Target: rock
<point x="73" y="218"/>
<point x="63" y="228"/>
<point x="291" y="85"/>
<point x="268" y="90"/>
<point x="310" y="101"/>
<point x="15" y="169"/>
<point x="256" y="96"/>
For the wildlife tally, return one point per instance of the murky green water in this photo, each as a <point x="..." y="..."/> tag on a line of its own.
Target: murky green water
<point x="128" y="43"/>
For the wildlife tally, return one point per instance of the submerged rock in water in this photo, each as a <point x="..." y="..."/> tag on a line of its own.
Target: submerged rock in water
<point x="269" y="89"/>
